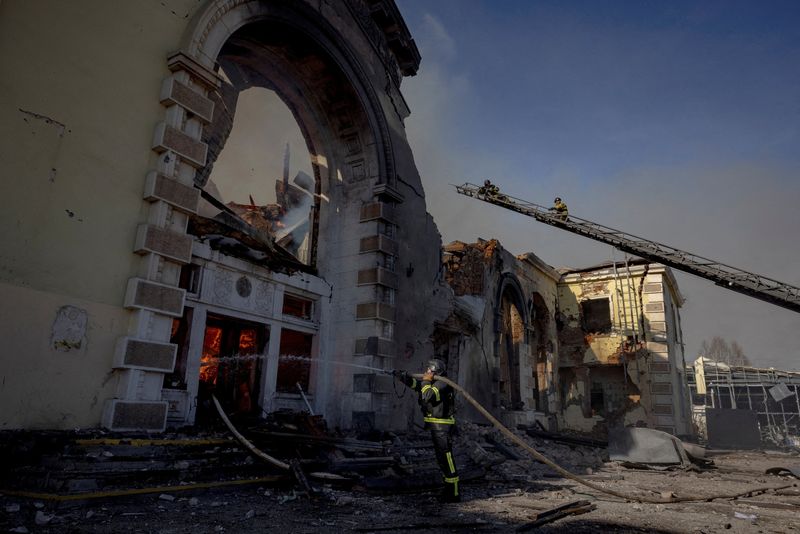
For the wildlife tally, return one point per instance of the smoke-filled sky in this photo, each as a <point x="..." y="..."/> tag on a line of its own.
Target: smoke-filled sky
<point x="675" y="121"/>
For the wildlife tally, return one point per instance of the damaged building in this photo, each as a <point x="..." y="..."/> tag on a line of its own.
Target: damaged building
<point x="621" y="359"/>
<point x="219" y="199"/>
<point x="152" y="256"/>
<point x="584" y="350"/>
<point x="502" y="330"/>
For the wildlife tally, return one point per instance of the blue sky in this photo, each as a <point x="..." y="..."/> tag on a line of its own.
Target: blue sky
<point x="675" y="121"/>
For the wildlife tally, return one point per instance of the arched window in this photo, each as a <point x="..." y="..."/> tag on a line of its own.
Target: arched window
<point x="264" y="173"/>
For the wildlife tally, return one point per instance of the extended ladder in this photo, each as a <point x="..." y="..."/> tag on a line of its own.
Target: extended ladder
<point x="754" y="285"/>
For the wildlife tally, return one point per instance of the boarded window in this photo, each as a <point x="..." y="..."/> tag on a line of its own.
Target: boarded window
<point x="596" y="316"/>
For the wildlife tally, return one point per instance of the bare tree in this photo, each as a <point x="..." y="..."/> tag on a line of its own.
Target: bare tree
<point x="721" y="351"/>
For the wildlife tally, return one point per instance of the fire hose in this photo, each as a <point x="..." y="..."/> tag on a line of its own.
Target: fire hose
<point x="518" y="441"/>
<point x="567" y="474"/>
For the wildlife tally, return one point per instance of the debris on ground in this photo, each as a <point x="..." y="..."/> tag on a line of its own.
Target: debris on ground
<point x="206" y="481"/>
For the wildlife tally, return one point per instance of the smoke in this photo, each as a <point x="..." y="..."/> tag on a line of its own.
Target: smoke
<point x="253" y="157"/>
<point x="667" y="131"/>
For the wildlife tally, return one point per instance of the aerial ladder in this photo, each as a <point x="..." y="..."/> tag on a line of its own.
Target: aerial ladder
<point x="754" y="285"/>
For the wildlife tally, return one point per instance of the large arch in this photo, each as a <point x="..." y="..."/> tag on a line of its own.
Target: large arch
<point x="214" y="25"/>
<point x="301" y="54"/>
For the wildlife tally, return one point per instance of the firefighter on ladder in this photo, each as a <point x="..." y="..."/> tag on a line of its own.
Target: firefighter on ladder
<point x="437" y="401"/>
<point x="560" y="208"/>
<point x="489" y="189"/>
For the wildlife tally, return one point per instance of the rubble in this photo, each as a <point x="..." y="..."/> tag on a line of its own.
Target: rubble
<point x="386" y="476"/>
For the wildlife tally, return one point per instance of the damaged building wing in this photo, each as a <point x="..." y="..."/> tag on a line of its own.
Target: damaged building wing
<point x="621" y="348"/>
<point x="585" y="350"/>
<point x="272" y="253"/>
<point x="304" y="245"/>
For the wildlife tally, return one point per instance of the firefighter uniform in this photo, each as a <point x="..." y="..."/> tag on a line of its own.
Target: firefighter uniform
<point x="561" y="210"/>
<point x="489" y="190"/>
<point x="437" y="401"/>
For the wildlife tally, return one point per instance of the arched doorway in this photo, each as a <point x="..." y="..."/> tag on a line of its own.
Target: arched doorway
<point x="511" y="344"/>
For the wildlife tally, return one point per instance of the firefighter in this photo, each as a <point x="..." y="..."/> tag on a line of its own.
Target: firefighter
<point x="560" y="208"/>
<point x="437" y="401"/>
<point x="489" y="189"/>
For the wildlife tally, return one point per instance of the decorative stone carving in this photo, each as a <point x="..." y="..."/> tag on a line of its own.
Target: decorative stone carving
<point x="244" y="287"/>
<point x="181" y="197"/>
<point x="265" y="297"/>
<point x="161" y="298"/>
<point x="222" y="287"/>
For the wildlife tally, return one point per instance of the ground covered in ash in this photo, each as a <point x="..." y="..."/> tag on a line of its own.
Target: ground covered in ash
<point x="507" y="492"/>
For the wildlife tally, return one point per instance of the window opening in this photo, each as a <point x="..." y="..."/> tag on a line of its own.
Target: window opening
<point x="596" y="316"/>
<point x="389" y="262"/>
<point x="294" y="363"/>
<point x="264" y="173"/>
<point x="387" y="329"/>
<point x="386" y="229"/>
<point x="387" y="295"/>
<point x="298" y="307"/>
<point x="598" y="399"/>
<point x="190" y="278"/>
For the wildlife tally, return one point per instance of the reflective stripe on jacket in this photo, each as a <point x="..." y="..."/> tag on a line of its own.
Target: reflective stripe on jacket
<point x="436" y="400"/>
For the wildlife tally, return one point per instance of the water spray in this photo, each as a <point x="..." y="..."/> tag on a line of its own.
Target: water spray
<point x="288" y="357"/>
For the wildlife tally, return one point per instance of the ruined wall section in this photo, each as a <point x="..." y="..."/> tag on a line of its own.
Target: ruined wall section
<point x="398" y="293"/>
<point x="540" y="282"/>
<point x="624" y="374"/>
<point x="485" y="279"/>
<point x="601" y="377"/>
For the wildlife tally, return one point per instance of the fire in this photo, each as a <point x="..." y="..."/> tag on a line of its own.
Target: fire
<point x="211" y="349"/>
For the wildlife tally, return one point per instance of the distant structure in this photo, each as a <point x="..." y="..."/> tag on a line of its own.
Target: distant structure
<point x="735" y="406"/>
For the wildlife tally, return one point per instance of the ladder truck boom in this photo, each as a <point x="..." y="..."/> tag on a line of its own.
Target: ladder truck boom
<point x="754" y="285"/>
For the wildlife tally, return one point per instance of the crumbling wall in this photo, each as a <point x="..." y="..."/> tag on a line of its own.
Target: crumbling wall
<point x="468" y="266"/>
<point x="637" y="345"/>
<point x="508" y="360"/>
<point x="601" y="370"/>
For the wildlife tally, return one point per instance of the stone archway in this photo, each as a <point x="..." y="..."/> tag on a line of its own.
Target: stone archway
<point x="295" y="50"/>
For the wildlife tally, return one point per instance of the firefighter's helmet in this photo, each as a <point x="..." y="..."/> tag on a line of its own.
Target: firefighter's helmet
<point x="558" y="199"/>
<point x="437" y="366"/>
